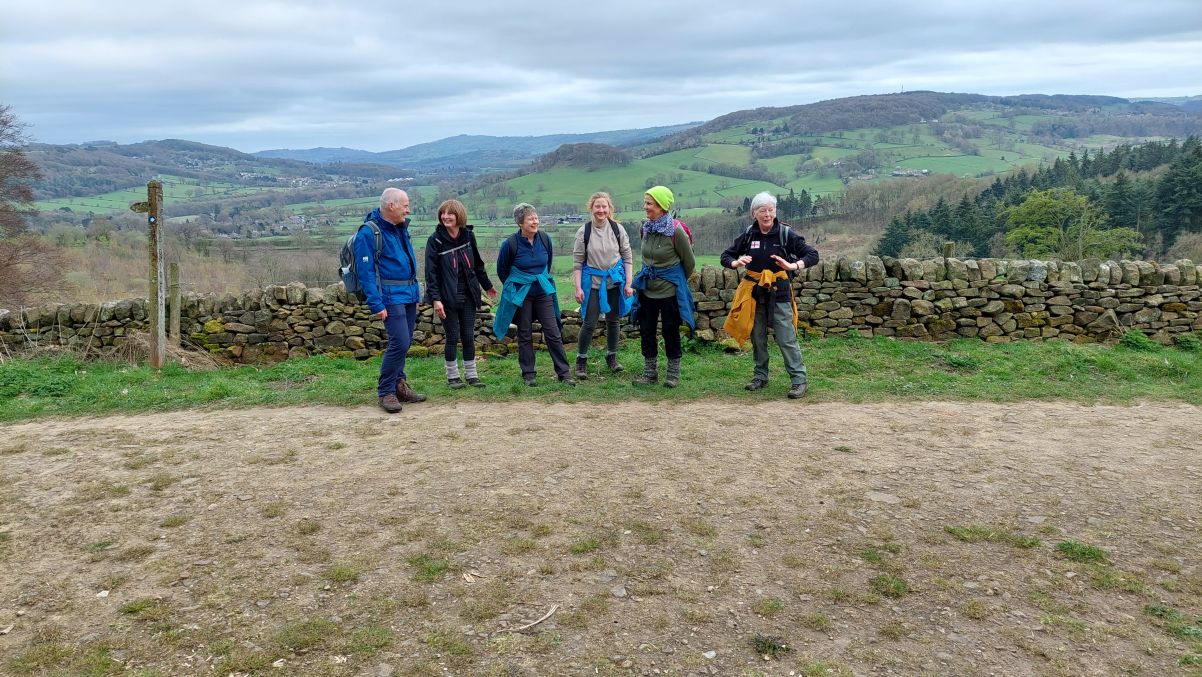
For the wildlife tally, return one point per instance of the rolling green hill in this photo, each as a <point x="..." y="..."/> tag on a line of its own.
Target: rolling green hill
<point x="824" y="147"/>
<point x="827" y="149"/>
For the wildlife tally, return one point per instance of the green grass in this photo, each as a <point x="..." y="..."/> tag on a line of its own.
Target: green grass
<point x="342" y="573"/>
<point x="889" y="586"/>
<point x="841" y="369"/>
<point x="304" y="635"/>
<point x="1080" y="552"/>
<point x="427" y="569"/>
<point x="976" y="533"/>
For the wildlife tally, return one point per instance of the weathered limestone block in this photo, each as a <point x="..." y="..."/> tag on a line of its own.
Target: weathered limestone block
<point x="837" y="270"/>
<point x="1037" y="271"/>
<point x="922" y="308"/>
<point x="933" y="270"/>
<point x="1012" y="290"/>
<point x="973" y="269"/>
<point x="857" y="272"/>
<point x="1147" y="274"/>
<point x="988" y="268"/>
<point x="957" y="270"/>
<point x="1172" y="274"/>
<point x="1018" y="271"/>
<point x="912" y="269"/>
<point x="730" y="278"/>
<point x="1090" y="269"/>
<point x="874" y="271"/>
<point x="1130" y="272"/>
<point x="1189" y="274"/>
<point x="1147" y="315"/>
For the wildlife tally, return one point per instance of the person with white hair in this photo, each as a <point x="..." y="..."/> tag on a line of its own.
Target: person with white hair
<point x="770" y="253"/>
<point x="387" y="273"/>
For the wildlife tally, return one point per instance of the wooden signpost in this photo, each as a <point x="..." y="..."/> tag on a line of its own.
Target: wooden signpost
<point x="153" y="208"/>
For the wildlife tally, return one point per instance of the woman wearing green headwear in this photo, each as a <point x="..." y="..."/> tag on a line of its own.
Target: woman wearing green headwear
<point x="662" y="291"/>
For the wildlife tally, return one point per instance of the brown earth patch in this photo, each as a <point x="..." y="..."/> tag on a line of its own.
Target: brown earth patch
<point x="883" y="539"/>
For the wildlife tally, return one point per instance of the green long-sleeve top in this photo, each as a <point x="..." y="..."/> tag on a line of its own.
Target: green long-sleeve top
<point x="660" y="251"/>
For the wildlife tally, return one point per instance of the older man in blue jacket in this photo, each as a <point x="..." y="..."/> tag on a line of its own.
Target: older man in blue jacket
<point x="389" y="282"/>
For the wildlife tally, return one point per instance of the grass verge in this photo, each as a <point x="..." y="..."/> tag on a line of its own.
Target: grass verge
<point x="840" y="369"/>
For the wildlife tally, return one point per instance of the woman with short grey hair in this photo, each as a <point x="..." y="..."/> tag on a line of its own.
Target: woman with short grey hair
<point x="521" y="211"/>
<point x="761" y="200"/>
<point x="524" y="266"/>
<point x="770" y="254"/>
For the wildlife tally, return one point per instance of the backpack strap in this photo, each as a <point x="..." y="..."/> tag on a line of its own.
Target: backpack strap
<point x="375" y="229"/>
<point x="784" y="237"/>
<point x="550" y="250"/>
<point x="588" y="231"/>
<point x="375" y="260"/>
<point x="512" y="244"/>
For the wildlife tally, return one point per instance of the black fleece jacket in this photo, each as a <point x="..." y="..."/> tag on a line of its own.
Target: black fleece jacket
<point x="449" y="261"/>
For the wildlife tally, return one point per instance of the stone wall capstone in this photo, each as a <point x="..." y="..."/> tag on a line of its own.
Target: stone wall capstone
<point x="995" y="300"/>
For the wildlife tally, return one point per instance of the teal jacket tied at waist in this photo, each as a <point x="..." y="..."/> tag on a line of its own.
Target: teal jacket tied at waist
<point x="684" y="297"/>
<point x="616" y="274"/>
<point x="513" y="295"/>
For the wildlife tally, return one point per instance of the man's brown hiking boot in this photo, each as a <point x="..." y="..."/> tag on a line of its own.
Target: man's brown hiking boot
<point x="390" y="403"/>
<point x="406" y="394"/>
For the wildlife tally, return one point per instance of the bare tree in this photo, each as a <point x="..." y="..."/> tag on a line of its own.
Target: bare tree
<point x="28" y="264"/>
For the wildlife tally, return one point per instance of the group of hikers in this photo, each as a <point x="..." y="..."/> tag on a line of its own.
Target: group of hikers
<point x="657" y="298"/>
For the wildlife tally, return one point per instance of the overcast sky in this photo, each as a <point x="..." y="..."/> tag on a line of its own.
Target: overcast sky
<point x="254" y="75"/>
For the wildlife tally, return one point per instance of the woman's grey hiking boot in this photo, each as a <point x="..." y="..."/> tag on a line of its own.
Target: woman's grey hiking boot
<point x="672" y="378"/>
<point x="581" y="371"/>
<point x="650" y="375"/>
<point x="611" y="361"/>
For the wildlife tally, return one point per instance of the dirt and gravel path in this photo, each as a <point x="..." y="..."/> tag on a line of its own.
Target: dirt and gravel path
<point x="334" y="541"/>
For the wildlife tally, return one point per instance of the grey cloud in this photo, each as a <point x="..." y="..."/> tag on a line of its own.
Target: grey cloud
<point x="377" y="75"/>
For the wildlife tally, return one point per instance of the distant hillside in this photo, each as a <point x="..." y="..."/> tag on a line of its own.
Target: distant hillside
<point x="473" y="154"/>
<point x="1099" y="113"/>
<point x="1189" y="103"/>
<point x="824" y="148"/>
<point x="76" y="170"/>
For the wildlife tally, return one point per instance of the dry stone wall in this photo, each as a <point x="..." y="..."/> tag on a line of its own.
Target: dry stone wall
<point x="936" y="299"/>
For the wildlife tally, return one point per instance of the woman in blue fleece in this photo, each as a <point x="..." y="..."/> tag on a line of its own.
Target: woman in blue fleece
<point x="524" y="266"/>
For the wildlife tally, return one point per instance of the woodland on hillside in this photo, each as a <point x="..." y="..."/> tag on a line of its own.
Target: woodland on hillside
<point x="1143" y="200"/>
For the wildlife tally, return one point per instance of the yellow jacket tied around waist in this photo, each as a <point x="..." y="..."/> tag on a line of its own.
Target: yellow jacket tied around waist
<point x="742" y="312"/>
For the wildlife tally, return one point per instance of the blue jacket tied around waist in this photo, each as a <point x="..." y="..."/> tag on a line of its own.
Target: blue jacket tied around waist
<point x="684" y="297"/>
<point x="513" y="295"/>
<point x="616" y="274"/>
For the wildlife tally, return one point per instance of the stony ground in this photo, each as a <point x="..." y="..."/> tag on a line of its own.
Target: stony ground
<point x="704" y="538"/>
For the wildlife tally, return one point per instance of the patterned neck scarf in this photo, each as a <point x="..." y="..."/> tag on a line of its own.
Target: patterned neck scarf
<point x="664" y="225"/>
